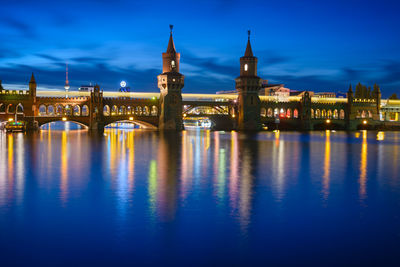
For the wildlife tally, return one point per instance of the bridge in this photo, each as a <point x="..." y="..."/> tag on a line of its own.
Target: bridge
<point x="168" y="108"/>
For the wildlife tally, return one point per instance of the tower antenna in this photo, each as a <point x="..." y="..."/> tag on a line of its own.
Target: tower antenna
<point x="66" y="77"/>
<point x="171" y="27"/>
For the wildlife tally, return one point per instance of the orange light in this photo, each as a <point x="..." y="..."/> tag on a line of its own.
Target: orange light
<point x="131" y="118"/>
<point x="233" y="116"/>
<point x="184" y="115"/>
<point x="365" y="121"/>
<point x="64" y="119"/>
<point x="10" y="119"/>
<point x="328" y="121"/>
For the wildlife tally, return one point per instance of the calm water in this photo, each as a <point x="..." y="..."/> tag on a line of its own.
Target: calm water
<point x="199" y="197"/>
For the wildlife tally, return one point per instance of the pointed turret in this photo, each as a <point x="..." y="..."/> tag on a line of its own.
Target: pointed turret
<point x="249" y="51"/>
<point x="171" y="45"/>
<point x="170" y="82"/>
<point x="248" y="84"/>
<point x="171" y="57"/>
<point x="32" y="79"/>
<point x="32" y="86"/>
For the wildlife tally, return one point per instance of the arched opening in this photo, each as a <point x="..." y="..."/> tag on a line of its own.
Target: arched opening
<point x="42" y="110"/>
<point x="59" y="110"/>
<point x="146" y="111"/>
<point x="68" y="110"/>
<point x="276" y="112"/>
<point x="317" y="114"/>
<point x="50" y="110"/>
<point x="270" y="113"/>
<point x="369" y="114"/>
<point x="312" y="114"/>
<point x="129" y="110"/>
<point x="263" y="112"/>
<point x="329" y="114"/>
<point x="85" y="110"/>
<point x="114" y="110"/>
<point x="10" y="109"/>
<point x="154" y="111"/>
<point x="323" y="114"/>
<point x="341" y="114"/>
<point x="2" y="108"/>
<point x="289" y="113"/>
<point x="122" y="110"/>
<point x="335" y="114"/>
<point x="363" y="114"/>
<point x="295" y="113"/>
<point x="138" y="111"/>
<point x="77" y="110"/>
<point x="106" y="110"/>
<point x="20" y="109"/>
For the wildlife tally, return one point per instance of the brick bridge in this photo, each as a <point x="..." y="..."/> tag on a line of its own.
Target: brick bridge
<point x="169" y="108"/>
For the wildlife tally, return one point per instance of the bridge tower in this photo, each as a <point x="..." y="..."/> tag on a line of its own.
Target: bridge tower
<point x="248" y="85"/>
<point x="351" y="112"/>
<point x="96" y="109"/>
<point x="170" y="83"/>
<point x="31" y="109"/>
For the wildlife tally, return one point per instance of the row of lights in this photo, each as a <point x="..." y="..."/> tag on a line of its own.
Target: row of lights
<point x="329" y="121"/>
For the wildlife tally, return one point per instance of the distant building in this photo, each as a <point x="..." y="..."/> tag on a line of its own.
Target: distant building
<point x="300" y="93"/>
<point x="86" y="88"/>
<point x="228" y="92"/>
<point x="325" y="95"/>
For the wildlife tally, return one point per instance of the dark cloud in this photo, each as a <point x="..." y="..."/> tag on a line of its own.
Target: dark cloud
<point x="19" y="26"/>
<point x="51" y="58"/>
<point x="210" y="64"/>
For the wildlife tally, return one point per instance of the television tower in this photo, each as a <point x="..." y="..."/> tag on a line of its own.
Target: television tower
<point x="66" y="79"/>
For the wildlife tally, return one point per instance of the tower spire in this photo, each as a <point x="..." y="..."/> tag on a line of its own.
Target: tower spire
<point x="249" y="51"/>
<point x="32" y="79"/>
<point x="171" y="45"/>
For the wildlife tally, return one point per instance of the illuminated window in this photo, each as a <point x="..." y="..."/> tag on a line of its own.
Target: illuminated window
<point x="173" y="63"/>
<point x="246" y="67"/>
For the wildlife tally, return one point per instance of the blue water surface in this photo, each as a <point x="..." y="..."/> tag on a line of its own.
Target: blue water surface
<point x="130" y="196"/>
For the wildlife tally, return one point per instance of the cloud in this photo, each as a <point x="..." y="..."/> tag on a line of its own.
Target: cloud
<point x="23" y="28"/>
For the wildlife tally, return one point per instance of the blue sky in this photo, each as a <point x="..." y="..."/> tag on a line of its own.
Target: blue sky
<point x="307" y="45"/>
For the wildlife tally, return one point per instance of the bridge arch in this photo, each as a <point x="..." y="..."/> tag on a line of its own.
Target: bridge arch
<point x="59" y="119"/>
<point x="2" y="108"/>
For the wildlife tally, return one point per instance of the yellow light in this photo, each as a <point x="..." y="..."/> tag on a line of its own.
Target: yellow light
<point x="233" y="115"/>
<point x="131" y="118"/>
<point x="365" y="122"/>
<point x="328" y="121"/>
<point x="184" y="115"/>
<point x="64" y="119"/>
<point x="10" y="119"/>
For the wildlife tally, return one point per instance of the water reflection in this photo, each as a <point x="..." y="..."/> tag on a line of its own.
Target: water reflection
<point x="126" y="182"/>
<point x="363" y="167"/>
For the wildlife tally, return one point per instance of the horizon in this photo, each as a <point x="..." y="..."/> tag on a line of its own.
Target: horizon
<point x="319" y="47"/>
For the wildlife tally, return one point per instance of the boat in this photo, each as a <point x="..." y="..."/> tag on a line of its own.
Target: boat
<point x="15" y="126"/>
